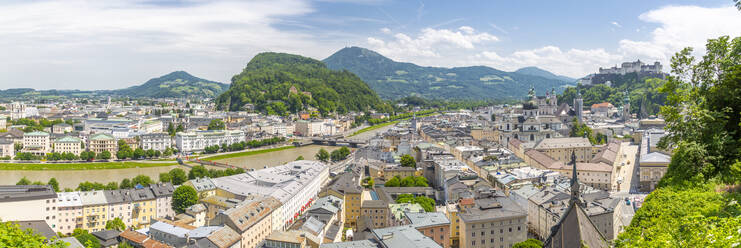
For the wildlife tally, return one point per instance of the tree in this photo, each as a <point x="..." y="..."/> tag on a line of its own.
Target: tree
<point x="54" y="184"/>
<point x="86" y="238"/>
<point x="165" y="177"/>
<point x="529" y="243"/>
<point x="197" y="171"/>
<point x="104" y="155"/>
<point x="368" y="182"/>
<point x="180" y="128"/>
<point x="111" y="186"/>
<point x="216" y="124"/>
<point x="300" y="158"/>
<point x="427" y="203"/>
<point x="178" y="176"/>
<point x="115" y="224"/>
<point x="703" y="106"/>
<point x="184" y="197"/>
<point x="420" y="182"/>
<point x="171" y="129"/>
<point x="407" y="182"/>
<point x="393" y="182"/>
<point x="139" y="153"/>
<point x="322" y="155"/>
<point x="11" y="235"/>
<point x="408" y="161"/>
<point x="23" y="181"/>
<point x="125" y="184"/>
<point x="141" y="179"/>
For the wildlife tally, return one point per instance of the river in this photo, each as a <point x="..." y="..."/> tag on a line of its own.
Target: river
<point x="71" y="178"/>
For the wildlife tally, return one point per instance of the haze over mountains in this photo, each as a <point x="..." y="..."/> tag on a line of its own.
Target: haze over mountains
<point x="393" y="80"/>
<point x="389" y="79"/>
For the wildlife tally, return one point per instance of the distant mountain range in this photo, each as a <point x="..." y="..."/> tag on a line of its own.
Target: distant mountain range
<point x="535" y="71"/>
<point x="393" y="80"/>
<point x="175" y="84"/>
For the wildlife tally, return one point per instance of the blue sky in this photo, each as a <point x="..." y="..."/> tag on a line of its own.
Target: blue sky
<point x="77" y="44"/>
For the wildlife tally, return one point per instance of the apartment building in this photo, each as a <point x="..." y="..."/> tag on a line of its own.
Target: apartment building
<point x="199" y="140"/>
<point x="100" y="142"/>
<point x="119" y="205"/>
<point x="251" y="219"/>
<point x="493" y="221"/>
<point x="144" y="207"/>
<point x="69" y="207"/>
<point x="68" y="144"/>
<point x="561" y="148"/>
<point x="7" y="148"/>
<point x="155" y="141"/>
<point x="375" y="209"/>
<point x="434" y="225"/>
<point x="346" y="187"/>
<point x="37" y="143"/>
<point x="29" y="202"/>
<point x="163" y="195"/>
<point x="94" y="210"/>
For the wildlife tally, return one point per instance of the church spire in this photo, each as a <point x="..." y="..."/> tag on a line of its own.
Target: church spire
<point x="574" y="181"/>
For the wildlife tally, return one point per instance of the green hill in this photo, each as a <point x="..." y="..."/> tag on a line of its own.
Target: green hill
<point x="642" y="89"/>
<point x="175" y="84"/>
<point x="394" y="80"/>
<point x="267" y="82"/>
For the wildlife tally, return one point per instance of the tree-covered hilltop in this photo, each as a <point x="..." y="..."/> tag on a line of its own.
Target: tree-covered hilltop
<point x="279" y="83"/>
<point x="394" y="80"/>
<point x="696" y="203"/>
<point x="643" y="92"/>
<point x="175" y="84"/>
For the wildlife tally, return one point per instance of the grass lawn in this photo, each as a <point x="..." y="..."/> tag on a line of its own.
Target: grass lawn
<point x="80" y="166"/>
<point x="377" y="126"/>
<point x="247" y="153"/>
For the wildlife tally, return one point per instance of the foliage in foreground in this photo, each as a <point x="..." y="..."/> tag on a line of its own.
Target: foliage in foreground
<point x="427" y="203"/>
<point x="11" y="235"/>
<point x="705" y="218"/>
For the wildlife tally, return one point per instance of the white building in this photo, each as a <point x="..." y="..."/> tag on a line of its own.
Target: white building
<point x="28" y="202"/>
<point x="69" y="207"/>
<point x="155" y="141"/>
<point x="197" y="141"/>
<point x="68" y="144"/>
<point x="36" y="143"/>
<point x="295" y="185"/>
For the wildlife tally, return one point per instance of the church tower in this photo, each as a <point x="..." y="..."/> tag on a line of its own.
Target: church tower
<point x="578" y="106"/>
<point x="626" y="107"/>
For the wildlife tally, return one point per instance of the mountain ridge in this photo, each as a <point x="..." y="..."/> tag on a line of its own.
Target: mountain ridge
<point x="394" y="80"/>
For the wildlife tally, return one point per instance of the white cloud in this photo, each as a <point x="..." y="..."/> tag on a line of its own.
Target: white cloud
<point x="430" y="42"/>
<point x="386" y="30"/>
<point x="680" y="27"/>
<point x="573" y="62"/>
<point x="112" y="44"/>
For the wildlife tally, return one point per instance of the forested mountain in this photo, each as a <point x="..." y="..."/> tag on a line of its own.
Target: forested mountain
<point x="175" y="84"/>
<point x="279" y="83"/>
<point x="393" y="80"/>
<point x="643" y="92"/>
<point x="535" y="71"/>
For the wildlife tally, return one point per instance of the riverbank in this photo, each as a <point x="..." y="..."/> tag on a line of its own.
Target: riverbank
<point x="246" y="153"/>
<point x="377" y="126"/>
<point x="81" y="166"/>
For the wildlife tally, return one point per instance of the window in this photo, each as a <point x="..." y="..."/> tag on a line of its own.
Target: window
<point x="473" y="242"/>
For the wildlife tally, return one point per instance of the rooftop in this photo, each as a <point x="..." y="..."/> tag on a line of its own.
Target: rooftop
<point x="425" y="219"/>
<point x="403" y="237"/>
<point x="25" y="192"/>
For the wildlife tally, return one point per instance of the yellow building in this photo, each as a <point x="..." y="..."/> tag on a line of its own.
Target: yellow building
<point x="214" y="204"/>
<point x="452" y="211"/>
<point x="204" y="186"/>
<point x="94" y="210"/>
<point x="560" y="149"/>
<point x="485" y="133"/>
<point x="346" y="186"/>
<point x="102" y="142"/>
<point x="143" y="207"/>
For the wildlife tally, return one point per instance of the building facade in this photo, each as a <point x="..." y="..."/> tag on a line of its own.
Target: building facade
<point x="199" y="140"/>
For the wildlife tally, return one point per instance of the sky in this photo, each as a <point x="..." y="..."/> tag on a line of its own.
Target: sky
<point x="88" y="44"/>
